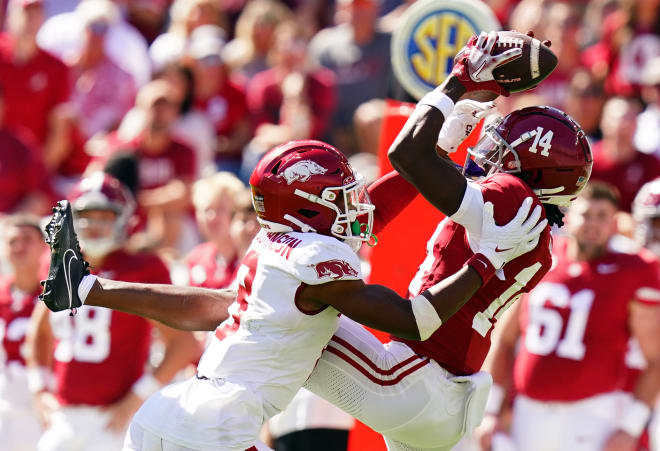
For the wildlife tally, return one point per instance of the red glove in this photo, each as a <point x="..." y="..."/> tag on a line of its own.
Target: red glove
<point x="475" y="63"/>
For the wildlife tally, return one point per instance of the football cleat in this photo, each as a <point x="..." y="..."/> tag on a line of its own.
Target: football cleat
<point x="67" y="265"/>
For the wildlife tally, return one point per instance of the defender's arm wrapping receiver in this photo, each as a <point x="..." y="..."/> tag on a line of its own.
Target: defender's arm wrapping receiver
<point x="69" y="285"/>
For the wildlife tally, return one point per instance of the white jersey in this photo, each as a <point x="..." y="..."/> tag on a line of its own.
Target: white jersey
<point x="262" y="354"/>
<point x="268" y="342"/>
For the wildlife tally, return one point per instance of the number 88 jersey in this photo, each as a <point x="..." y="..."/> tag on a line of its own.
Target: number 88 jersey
<point x="574" y="324"/>
<point x="100" y="353"/>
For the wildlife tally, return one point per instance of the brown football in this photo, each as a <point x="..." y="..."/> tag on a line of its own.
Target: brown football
<point x="535" y="64"/>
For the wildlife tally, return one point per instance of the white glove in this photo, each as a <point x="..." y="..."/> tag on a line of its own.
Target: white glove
<point x="481" y="62"/>
<point x="461" y="122"/>
<point x="501" y="244"/>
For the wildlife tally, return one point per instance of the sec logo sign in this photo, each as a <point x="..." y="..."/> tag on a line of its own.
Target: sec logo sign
<point x="430" y="35"/>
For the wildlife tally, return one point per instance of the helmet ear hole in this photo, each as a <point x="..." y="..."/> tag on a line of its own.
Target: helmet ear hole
<point x="308" y="213"/>
<point x="276" y="168"/>
<point x="531" y="177"/>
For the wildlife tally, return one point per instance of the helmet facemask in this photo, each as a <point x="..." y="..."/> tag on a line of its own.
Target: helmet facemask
<point x="490" y="152"/>
<point x="354" y="212"/>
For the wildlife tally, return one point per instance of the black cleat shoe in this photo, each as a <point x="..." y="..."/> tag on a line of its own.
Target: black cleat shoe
<point x="67" y="265"/>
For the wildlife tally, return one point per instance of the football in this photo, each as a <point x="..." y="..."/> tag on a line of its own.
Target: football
<point x="536" y="63"/>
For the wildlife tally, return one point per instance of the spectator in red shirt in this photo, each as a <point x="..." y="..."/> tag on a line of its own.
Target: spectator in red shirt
<point x="212" y="264"/>
<point x="269" y="98"/>
<point x="102" y="91"/>
<point x="35" y="82"/>
<point x="167" y="167"/>
<point x="220" y="96"/>
<point x="629" y="40"/>
<point x="293" y="100"/>
<point x="616" y="160"/>
<point x="24" y="181"/>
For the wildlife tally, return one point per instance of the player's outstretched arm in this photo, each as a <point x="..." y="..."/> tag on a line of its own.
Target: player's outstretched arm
<point x="413" y="151"/>
<point x="69" y="285"/>
<point x="381" y="308"/>
<point x="184" y="308"/>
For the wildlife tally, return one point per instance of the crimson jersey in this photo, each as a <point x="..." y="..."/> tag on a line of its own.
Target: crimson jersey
<point x="226" y="108"/>
<point x="100" y="353"/>
<point x="31" y="89"/>
<point x="22" y="170"/>
<point x="461" y="344"/>
<point x="176" y="161"/>
<point x="15" y="310"/>
<point x="574" y="325"/>
<point x="209" y="270"/>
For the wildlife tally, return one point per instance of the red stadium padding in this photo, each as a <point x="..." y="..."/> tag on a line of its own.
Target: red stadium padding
<point x="402" y="245"/>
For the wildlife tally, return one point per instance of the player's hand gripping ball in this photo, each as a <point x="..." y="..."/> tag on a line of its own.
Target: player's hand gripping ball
<point x="504" y="62"/>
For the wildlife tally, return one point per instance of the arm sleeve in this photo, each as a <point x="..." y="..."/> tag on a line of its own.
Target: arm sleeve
<point x="390" y="194"/>
<point x="323" y="261"/>
<point x="470" y="212"/>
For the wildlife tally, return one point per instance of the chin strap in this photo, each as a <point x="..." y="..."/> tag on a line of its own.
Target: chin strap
<point x="303" y="227"/>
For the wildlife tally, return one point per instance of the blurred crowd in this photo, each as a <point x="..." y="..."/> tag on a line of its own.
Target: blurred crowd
<point x="178" y="100"/>
<point x="191" y="87"/>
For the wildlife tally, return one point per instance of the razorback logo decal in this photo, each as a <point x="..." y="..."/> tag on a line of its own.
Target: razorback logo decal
<point x="302" y="171"/>
<point x="335" y="269"/>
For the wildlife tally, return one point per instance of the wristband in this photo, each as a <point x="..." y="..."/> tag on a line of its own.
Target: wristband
<point x="495" y="399"/>
<point x="426" y="316"/>
<point x="483" y="266"/>
<point x="635" y="417"/>
<point x="146" y="386"/>
<point x="438" y="100"/>
<point x="38" y="379"/>
<point x="85" y="286"/>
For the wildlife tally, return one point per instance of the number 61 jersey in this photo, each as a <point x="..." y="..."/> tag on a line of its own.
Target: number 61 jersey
<point x="574" y="324"/>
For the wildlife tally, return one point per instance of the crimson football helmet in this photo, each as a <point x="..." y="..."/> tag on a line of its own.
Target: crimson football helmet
<point x="309" y="186"/>
<point x="645" y="208"/>
<point x="100" y="191"/>
<point x="544" y="146"/>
